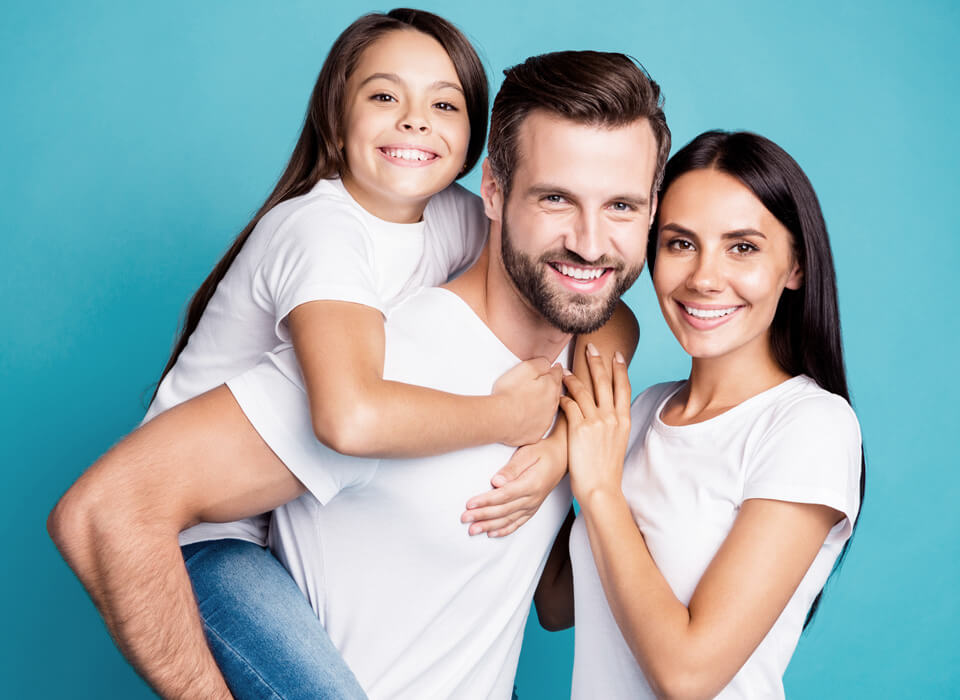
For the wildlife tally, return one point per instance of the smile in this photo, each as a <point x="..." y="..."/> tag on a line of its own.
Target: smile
<point x="415" y="155"/>
<point x="709" y="313"/>
<point x="579" y="273"/>
<point x="583" y="280"/>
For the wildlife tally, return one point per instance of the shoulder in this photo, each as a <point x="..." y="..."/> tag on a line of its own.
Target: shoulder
<point x="454" y="199"/>
<point x="806" y="407"/>
<point x="643" y="410"/>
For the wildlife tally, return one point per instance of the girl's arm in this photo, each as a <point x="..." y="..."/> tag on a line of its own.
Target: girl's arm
<point x="534" y="470"/>
<point x="340" y="348"/>
<point x="684" y="650"/>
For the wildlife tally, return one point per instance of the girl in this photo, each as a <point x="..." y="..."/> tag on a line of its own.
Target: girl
<point x="696" y="560"/>
<point x="363" y="215"/>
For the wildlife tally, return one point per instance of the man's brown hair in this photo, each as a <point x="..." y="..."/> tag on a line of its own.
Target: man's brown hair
<point x="588" y="87"/>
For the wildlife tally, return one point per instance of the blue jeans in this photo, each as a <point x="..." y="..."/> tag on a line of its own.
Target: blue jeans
<point x="263" y="633"/>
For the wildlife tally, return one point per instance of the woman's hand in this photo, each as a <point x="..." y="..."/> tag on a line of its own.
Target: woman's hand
<point x="528" y="395"/>
<point x="598" y="426"/>
<point x="519" y="488"/>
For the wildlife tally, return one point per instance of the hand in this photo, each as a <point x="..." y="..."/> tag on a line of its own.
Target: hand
<point x="598" y="426"/>
<point x="529" y="395"/>
<point x="519" y="489"/>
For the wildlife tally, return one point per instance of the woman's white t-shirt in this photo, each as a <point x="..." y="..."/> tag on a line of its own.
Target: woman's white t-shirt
<point x="319" y="246"/>
<point x="685" y="484"/>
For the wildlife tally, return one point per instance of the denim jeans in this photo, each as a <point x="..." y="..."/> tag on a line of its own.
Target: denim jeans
<point x="263" y="633"/>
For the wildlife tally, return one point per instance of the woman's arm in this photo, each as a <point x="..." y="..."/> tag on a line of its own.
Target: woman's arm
<point x="340" y="348"/>
<point x="117" y="528"/>
<point x="685" y="651"/>
<point x="534" y="470"/>
<point x="554" y="594"/>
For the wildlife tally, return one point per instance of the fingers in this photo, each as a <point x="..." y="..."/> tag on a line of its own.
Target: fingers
<point x="621" y="387"/>
<point x="539" y="365"/>
<point x="502" y="528"/>
<point x="521" y="460"/>
<point x="570" y="408"/>
<point x="602" y="388"/>
<point x="498" y="496"/>
<point x="476" y="516"/>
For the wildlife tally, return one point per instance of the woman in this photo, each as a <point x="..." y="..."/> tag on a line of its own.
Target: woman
<point x="697" y="558"/>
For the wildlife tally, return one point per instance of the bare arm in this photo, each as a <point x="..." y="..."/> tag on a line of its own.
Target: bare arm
<point x="688" y="651"/>
<point x="535" y="470"/>
<point x="554" y="594"/>
<point x="117" y="528"/>
<point x="340" y="348"/>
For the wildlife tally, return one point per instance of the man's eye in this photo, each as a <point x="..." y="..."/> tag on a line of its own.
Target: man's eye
<point x="555" y="198"/>
<point x="446" y="106"/>
<point x="621" y="206"/>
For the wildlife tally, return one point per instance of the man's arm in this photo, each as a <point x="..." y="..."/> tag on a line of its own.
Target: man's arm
<point x="117" y="528"/>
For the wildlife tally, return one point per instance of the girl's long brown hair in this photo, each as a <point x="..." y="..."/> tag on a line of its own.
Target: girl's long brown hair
<point x="317" y="155"/>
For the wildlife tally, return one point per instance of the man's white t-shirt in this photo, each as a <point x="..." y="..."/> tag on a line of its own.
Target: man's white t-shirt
<point x="685" y="484"/>
<point x="319" y="246"/>
<point x="418" y="608"/>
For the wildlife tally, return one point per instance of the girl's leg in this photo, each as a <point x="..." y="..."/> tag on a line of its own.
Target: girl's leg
<point x="262" y="631"/>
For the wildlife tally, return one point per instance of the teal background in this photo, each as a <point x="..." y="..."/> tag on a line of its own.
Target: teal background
<point x="137" y="139"/>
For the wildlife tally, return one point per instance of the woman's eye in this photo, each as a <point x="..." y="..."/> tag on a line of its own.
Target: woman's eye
<point x="679" y="244"/>
<point x="745" y="248"/>
<point x="446" y="106"/>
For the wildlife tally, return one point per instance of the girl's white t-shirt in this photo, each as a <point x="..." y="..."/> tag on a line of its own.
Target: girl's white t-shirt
<point x="319" y="246"/>
<point x="685" y="484"/>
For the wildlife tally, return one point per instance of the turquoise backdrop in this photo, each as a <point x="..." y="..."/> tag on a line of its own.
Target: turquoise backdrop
<point x="138" y="138"/>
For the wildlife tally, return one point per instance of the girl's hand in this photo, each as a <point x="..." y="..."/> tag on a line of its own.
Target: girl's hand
<point x="527" y="396"/>
<point x="519" y="489"/>
<point x="598" y="426"/>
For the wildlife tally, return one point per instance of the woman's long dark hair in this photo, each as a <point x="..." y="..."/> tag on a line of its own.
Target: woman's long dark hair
<point x="805" y="333"/>
<point x="317" y="155"/>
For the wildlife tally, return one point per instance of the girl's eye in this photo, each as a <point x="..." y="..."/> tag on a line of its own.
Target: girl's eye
<point x="382" y="97"/>
<point x="446" y="106"/>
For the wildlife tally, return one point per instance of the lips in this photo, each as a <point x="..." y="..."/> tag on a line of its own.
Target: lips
<point x="407" y="155"/>
<point x="581" y="278"/>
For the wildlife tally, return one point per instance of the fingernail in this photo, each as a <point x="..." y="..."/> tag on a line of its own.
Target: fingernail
<point x="619" y="357"/>
<point x="592" y="349"/>
<point x="498" y="480"/>
<point x="566" y="372"/>
<point x="466" y="518"/>
<point x="475" y="529"/>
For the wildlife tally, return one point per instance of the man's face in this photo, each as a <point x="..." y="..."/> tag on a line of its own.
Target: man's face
<point x="574" y="225"/>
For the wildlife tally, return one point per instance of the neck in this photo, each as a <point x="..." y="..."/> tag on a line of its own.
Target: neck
<point x="720" y="383"/>
<point x="490" y="293"/>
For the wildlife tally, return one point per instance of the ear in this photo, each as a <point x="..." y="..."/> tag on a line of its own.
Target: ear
<point x="795" y="280"/>
<point x="491" y="193"/>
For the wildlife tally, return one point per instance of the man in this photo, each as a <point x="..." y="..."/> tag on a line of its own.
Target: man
<point x="578" y="142"/>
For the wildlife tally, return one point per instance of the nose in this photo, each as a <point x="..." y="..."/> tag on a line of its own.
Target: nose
<point x="414" y="121"/>
<point x="706" y="277"/>
<point x="586" y="237"/>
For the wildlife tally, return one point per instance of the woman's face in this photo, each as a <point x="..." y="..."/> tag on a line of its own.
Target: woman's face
<point x="406" y="128"/>
<point x="722" y="262"/>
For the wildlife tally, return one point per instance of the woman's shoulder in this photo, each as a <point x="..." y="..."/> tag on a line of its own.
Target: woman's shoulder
<point x="804" y="404"/>
<point x="644" y="407"/>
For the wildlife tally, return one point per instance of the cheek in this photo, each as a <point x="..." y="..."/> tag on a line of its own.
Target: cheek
<point x="760" y="286"/>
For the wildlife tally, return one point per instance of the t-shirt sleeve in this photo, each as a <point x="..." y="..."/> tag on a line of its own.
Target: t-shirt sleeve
<point x="457" y="216"/>
<point x="321" y="252"/>
<point x="271" y="396"/>
<point x="810" y="453"/>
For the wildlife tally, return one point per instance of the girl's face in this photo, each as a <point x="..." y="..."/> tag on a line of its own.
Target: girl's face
<point x="406" y="127"/>
<point x="723" y="260"/>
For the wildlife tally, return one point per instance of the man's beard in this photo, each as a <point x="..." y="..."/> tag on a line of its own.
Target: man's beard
<point x="570" y="312"/>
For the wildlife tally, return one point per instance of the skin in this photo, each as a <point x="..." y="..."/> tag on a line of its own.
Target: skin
<point x="691" y="651"/>
<point x="117" y="526"/>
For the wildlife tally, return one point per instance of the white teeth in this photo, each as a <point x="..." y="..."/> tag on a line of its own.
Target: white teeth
<point x="581" y="274"/>
<point x="709" y="313"/>
<point x="407" y="154"/>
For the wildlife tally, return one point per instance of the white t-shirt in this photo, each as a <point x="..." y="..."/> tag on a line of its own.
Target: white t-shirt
<point x="418" y="608"/>
<point x="319" y="246"/>
<point x="685" y="484"/>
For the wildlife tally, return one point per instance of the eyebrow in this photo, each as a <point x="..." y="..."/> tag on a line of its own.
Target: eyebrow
<point x="736" y="233"/>
<point x="639" y="201"/>
<point x="394" y="78"/>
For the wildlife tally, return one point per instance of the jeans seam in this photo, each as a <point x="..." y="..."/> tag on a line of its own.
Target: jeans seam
<point x="246" y="663"/>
